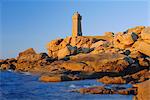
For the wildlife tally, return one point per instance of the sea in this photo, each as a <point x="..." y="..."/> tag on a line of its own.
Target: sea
<point x="26" y="86"/>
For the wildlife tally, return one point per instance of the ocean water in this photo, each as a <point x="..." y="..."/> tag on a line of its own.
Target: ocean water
<point x="23" y="86"/>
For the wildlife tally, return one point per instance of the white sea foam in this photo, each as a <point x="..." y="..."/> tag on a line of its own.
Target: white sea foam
<point x="26" y="73"/>
<point x="86" y="86"/>
<point x="9" y="70"/>
<point x="72" y="86"/>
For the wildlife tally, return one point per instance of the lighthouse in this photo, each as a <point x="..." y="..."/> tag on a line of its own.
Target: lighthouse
<point x="76" y="24"/>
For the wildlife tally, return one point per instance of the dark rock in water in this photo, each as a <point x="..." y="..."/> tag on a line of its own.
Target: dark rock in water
<point x="104" y="90"/>
<point x="56" y="78"/>
<point x="129" y="91"/>
<point x="95" y="90"/>
<point x="140" y="76"/>
<point x="46" y="78"/>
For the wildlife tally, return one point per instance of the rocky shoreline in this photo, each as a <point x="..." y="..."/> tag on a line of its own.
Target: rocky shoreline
<point x="119" y="58"/>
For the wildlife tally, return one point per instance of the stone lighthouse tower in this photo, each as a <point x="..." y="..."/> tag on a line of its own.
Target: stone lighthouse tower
<point x="76" y="24"/>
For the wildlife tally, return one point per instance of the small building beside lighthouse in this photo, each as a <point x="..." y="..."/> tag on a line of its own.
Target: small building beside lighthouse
<point x="76" y="24"/>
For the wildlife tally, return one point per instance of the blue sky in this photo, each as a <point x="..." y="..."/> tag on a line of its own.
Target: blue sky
<point x="33" y="23"/>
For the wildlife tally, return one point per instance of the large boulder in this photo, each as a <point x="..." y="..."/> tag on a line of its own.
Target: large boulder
<point x="46" y="78"/>
<point x="77" y="66"/>
<point x="29" y="51"/>
<point x="73" y="66"/>
<point x="29" y="59"/>
<point x="68" y="50"/>
<point x="4" y="67"/>
<point x="97" y="44"/>
<point x="109" y="34"/>
<point x="137" y="30"/>
<point x="144" y="48"/>
<point x="8" y="64"/>
<point x="105" y="62"/>
<point x="142" y="45"/>
<point x="2" y="61"/>
<point x="135" y="53"/>
<point x="106" y="90"/>
<point x="95" y="90"/>
<point x="137" y="76"/>
<point x="25" y="58"/>
<point x="63" y="53"/>
<point x="144" y="62"/>
<point x="112" y="80"/>
<point x="143" y="92"/>
<point x="145" y="34"/>
<point x="123" y="41"/>
<point x="81" y="41"/>
<point x="54" y="78"/>
<point x="55" y="47"/>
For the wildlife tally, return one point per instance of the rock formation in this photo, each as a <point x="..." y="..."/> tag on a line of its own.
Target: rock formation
<point x="143" y="92"/>
<point x="118" y="58"/>
<point x="105" y="90"/>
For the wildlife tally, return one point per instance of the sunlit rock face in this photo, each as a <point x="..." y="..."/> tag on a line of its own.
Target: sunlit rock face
<point x="133" y="40"/>
<point x="143" y="92"/>
<point x="116" y="54"/>
<point x="118" y="58"/>
<point x="61" y="48"/>
<point x="29" y="59"/>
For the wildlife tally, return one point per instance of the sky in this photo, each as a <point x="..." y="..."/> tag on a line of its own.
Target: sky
<point x="34" y="23"/>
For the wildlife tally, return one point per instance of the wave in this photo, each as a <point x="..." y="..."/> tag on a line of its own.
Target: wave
<point x="73" y="86"/>
<point x="26" y="73"/>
